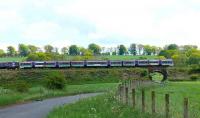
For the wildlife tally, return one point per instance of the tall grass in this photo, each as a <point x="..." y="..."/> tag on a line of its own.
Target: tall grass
<point x="103" y="106"/>
<point x="39" y="92"/>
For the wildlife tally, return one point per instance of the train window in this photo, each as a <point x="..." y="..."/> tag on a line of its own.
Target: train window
<point x="116" y="62"/>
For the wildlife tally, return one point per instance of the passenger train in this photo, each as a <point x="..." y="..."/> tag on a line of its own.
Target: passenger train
<point x="68" y="64"/>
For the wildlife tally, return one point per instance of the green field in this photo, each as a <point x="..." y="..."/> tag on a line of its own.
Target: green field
<point x="177" y="91"/>
<point x="8" y="96"/>
<point x="7" y="59"/>
<point x="106" y="106"/>
<point x="103" y="106"/>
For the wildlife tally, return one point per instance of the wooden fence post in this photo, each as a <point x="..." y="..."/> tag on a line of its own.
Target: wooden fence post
<point x="185" y="114"/>
<point x="133" y="98"/>
<point x="167" y="105"/>
<point x="126" y="94"/>
<point x="153" y="103"/>
<point x="143" y="101"/>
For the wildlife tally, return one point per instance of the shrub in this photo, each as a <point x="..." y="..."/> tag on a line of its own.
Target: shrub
<point x="195" y="77"/>
<point x="22" y="86"/>
<point x="143" y="73"/>
<point x="55" y="80"/>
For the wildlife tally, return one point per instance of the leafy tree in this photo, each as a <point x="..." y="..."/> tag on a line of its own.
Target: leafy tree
<point x="74" y="50"/>
<point x="23" y="50"/>
<point x="40" y="56"/>
<point x="194" y="58"/>
<point x="2" y="53"/>
<point x="95" y="48"/>
<point x="148" y="50"/>
<point x="33" y="49"/>
<point x="172" y="47"/>
<point x="11" y="51"/>
<point x="64" y="50"/>
<point x="180" y="59"/>
<point x="133" y="49"/>
<point x="168" y="53"/>
<point x="122" y="50"/>
<point x="48" y="49"/>
<point x="189" y="47"/>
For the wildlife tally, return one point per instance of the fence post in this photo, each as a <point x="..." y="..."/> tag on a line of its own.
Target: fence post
<point x="133" y="98"/>
<point x="126" y="94"/>
<point x="153" y="106"/>
<point x="167" y="105"/>
<point x="185" y="114"/>
<point x="143" y="101"/>
<point x="121" y="94"/>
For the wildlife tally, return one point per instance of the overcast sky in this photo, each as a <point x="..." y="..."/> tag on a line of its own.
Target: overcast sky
<point x="105" y="22"/>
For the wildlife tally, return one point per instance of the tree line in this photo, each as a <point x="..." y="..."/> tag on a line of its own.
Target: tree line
<point x="182" y="55"/>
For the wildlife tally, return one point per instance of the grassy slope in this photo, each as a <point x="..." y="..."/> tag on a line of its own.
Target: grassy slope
<point x="103" y="106"/>
<point x="8" y="97"/>
<point x="177" y="91"/>
<point x="12" y="59"/>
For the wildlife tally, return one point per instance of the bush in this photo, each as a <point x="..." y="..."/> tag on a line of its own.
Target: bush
<point x="55" y="80"/>
<point x="195" y="77"/>
<point x="143" y="73"/>
<point x="22" y="86"/>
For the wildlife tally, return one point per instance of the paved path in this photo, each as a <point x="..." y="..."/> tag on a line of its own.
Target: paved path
<point x="39" y="109"/>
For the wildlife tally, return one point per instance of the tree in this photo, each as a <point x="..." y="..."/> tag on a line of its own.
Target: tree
<point x="180" y="59"/>
<point x="74" y="50"/>
<point x="11" y="51"/>
<point x="33" y="49"/>
<point x="64" y="50"/>
<point x="194" y="58"/>
<point x="95" y="48"/>
<point x="172" y="47"/>
<point x="2" y="53"/>
<point x="40" y="56"/>
<point x="133" y="49"/>
<point x="23" y="50"/>
<point x="122" y="50"/>
<point x="148" y="50"/>
<point x="48" y="49"/>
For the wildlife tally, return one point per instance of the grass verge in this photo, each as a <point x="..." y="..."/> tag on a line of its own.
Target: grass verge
<point x="103" y="106"/>
<point x="8" y="97"/>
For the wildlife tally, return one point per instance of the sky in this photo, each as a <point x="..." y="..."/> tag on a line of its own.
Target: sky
<point x="105" y="22"/>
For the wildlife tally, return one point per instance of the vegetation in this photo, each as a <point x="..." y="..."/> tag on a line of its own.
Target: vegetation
<point x="55" y="81"/>
<point x="11" y="96"/>
<point x="177" y="91"/>
<point x="103" y="106"/>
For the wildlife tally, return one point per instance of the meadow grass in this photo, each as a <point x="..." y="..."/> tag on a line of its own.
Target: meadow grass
<point x="10" y="59"/>
<point x="102" y="106"/>
<point x="177" y="91"/>
<point x="8" y="97"/>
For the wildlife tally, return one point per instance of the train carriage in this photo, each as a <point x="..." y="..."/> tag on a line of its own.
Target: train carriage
<point x="50" y="64"/>
<point x="167" y="62"/>
<point x="115" y="63"/>
<point x="26" y="65"/>
<point x="96" y="63"/>
<point x="154" y="62"/>
<point x="39" y="64"/>
<point x="3" y="65"/>
<point x="129" y="63"/>
<point x="143" y="62"/>
<point x="63" y="64"/>
<point x="77" y="63"/>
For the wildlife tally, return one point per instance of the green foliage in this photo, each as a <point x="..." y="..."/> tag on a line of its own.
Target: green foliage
<point x="133" y="49"/>
<point x="2" y="53"/>
<point x="11" y="51"/>
<point x="194" y="58"/>
<point x="172" y="47"/>
<point x="180" y="59"/>
<point x="55" y="80"/>
<point x="74" y="50"/>
<point x="143" y="73"/>
<point x="122" y="50"/>
<point x="22" y="86"/>
<point x="195" y="77"/>
<point x="33" y="49"/>
<point x="96" y="49"/>
<point x="40" y="56"/>
<point x="23" y="50"/>
<point x="48" y="48"/>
